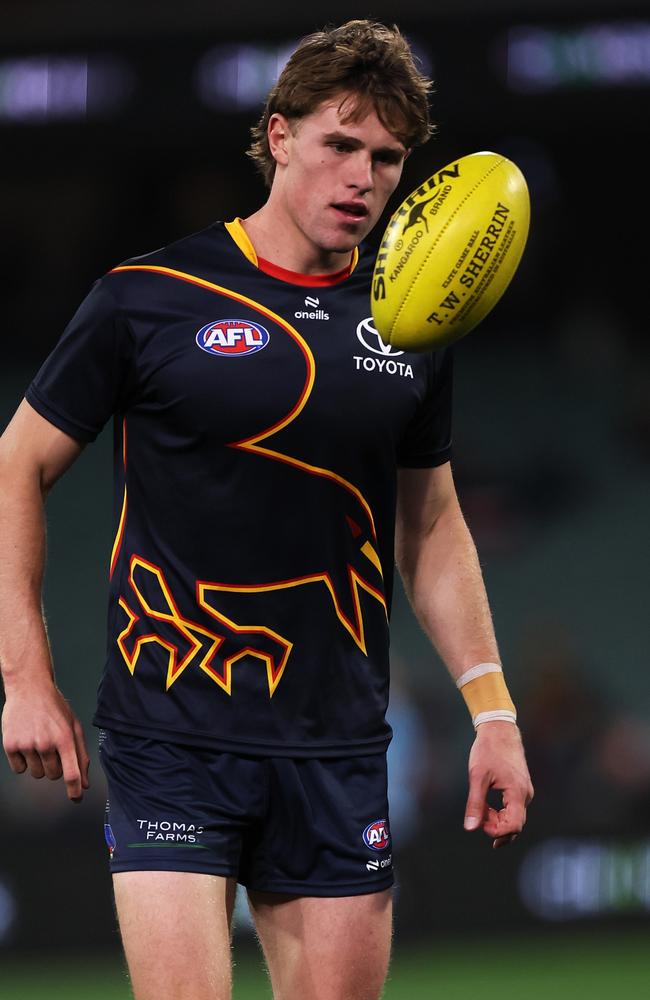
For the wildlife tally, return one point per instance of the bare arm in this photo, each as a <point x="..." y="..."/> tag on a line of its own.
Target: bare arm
<point x="442" y="577"/>
<point x="40" y="731"/>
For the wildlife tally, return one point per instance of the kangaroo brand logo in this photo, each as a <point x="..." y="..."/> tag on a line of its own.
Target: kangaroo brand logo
<point x="417" y="215"/>
<point x="368" y="335"/>
<point x="410" y="213"/>
<point x="313" y="310"/>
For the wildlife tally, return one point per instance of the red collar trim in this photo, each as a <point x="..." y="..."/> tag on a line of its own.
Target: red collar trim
<point x="308" y="280"/>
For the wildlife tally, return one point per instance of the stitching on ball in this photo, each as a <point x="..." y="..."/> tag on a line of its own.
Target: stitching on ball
<point x="439" y="237"/>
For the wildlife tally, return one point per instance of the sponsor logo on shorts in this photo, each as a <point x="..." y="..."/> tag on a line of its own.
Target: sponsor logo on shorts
<point x="376" y="835"/>
<point x="232" y="338"/>
<point x="168" y="833"/>
<point x="109" y="837"/>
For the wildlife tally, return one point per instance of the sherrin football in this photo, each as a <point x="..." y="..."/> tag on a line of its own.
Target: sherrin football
<point x="449" y="252"/>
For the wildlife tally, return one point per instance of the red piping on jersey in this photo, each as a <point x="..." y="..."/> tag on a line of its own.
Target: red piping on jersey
<point x="308" y="280"/>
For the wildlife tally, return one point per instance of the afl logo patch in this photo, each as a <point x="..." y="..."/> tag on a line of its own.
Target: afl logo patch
<point x="376" y="835"/>
<point x="232" y="337"/>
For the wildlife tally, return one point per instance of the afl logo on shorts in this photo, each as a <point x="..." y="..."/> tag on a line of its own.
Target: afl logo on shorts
<point x="376" y="835"/>
<point x="232" y="337"/>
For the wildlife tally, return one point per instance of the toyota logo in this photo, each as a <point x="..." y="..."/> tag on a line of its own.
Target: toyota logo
<point x="367" y="334"/>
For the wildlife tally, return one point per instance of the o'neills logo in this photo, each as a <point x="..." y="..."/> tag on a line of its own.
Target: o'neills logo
<point x="313" y="310"/>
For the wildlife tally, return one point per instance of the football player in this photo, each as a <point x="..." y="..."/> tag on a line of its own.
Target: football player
<point x="268" y="472"/>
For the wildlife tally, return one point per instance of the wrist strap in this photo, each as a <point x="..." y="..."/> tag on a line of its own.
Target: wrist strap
<point x="486" y="695"/>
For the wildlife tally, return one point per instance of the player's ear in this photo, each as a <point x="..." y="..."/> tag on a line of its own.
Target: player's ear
<point x="279" y="133"/>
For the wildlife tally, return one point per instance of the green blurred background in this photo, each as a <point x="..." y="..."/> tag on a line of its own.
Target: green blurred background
<point x="122" y="127"/>
<point x="568" y="969"/>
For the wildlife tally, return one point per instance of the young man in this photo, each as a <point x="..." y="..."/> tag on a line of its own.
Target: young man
<point x="258" y="470"/>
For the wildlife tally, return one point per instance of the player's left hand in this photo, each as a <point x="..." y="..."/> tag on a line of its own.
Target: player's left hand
<point x="497" y="761"/>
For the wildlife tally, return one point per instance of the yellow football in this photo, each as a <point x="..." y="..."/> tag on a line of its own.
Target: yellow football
<point x="449" y="252"/>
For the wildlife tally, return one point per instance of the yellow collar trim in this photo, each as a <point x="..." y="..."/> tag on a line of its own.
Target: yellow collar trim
<point x="240" y="236"/>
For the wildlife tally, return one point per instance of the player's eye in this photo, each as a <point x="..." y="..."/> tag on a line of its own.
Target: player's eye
<point x="388" y="156"/>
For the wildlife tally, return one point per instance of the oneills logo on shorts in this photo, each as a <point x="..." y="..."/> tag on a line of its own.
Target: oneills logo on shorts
<point x="376" y="835"/>
<point x="232" y="337"/>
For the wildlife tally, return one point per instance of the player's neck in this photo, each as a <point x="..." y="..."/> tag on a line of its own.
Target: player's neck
<point x="276" y="238"/>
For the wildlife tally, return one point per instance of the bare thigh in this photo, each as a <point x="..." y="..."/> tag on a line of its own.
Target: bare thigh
<point x="175" y="929"/>
<point x="325" y="949"/>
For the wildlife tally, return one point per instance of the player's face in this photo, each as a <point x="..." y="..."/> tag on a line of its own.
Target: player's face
<point x="338" y="176"/>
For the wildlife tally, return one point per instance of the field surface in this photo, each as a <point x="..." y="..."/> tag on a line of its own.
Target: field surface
<point x="573" y="968"/>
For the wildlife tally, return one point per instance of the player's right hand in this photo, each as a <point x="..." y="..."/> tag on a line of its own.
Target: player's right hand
<point x="41" y="734"/>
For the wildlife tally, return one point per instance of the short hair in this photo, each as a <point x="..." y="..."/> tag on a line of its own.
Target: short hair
<point x="362" y="59"/>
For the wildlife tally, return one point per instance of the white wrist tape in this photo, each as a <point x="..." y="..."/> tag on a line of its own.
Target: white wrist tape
<point x="497" y="716"/>
<point x="478" y="671"/>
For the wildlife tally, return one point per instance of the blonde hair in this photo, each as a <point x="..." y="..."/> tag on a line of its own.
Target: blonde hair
<point x="369" y="65"/>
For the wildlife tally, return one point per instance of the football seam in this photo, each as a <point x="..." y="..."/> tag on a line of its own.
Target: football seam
<point x="439" y="237"/>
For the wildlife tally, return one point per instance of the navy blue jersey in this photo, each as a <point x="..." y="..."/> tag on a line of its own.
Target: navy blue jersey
<point x="259" y="424"/>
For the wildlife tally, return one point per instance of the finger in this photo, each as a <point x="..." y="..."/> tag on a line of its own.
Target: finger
<point x="502" y="823"/>
<point x="83" y="757"/>
<point x="513" y="814"/>
<point x="17" y="761"/>
<point x="51" y="764"/>
<point x="476" y="809"/>
<point x="71" y="771"/>
<point x="502" y="841"/>
<point x="34" y="763"/>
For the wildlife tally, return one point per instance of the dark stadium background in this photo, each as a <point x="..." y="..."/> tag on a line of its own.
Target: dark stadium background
<point x="122" y="127"/>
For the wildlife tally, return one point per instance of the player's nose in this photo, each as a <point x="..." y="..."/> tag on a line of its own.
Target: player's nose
<point x="361" y="174"/>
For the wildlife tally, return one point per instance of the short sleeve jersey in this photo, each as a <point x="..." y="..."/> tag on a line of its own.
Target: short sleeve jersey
<point x="259" y="425"/>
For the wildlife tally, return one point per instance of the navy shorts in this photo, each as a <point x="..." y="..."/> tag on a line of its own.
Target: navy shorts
<point x="307" y="827"/>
